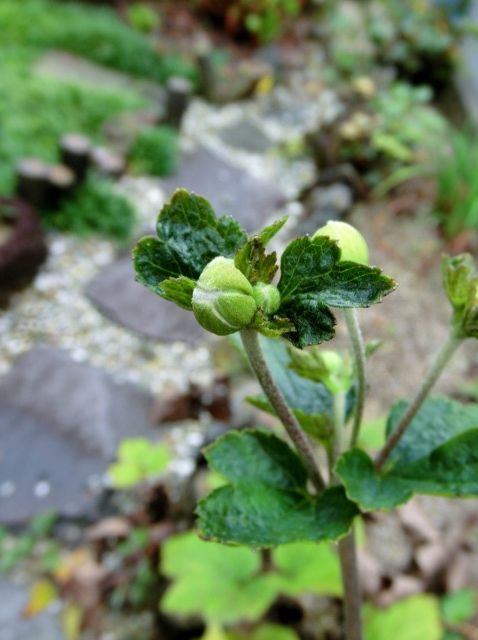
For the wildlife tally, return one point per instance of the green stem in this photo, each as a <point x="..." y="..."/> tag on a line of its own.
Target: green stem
<point x="346" y="546"/>
<point x="436" y="370"/>
<point x="339" y="420"/>
<point x="250" y="340"/>
<point x="350" y="579"/>
<point x="358" y="349"/>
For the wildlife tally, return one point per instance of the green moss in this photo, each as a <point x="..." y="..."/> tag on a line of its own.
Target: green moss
<point x="93" y="32"/>
<point x="155" y="151"/>
<point x="35" y="111"/>
<point x="95" y="208"/>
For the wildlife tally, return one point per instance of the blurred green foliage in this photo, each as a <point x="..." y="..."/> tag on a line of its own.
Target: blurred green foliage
<point x="456" y="177"/>
<point x="93" y="32"/>
<point x="94" y="208"/>
<point x="142" y="18"/>
<point x="155" y="151"/>
<point x="35" y="111"/>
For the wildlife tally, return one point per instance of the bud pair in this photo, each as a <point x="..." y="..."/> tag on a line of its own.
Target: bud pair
<point x="224" y="301"/>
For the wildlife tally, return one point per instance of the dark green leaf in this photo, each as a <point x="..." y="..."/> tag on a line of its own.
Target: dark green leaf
<point x="179" y="290"/>
<point x="313" y="321"/>
<point x="189" y="237"/>
<point x="438" y="420"/>
<point x="303" y="262"/>
<point x="437" y="456"/>
<point x="189" y="227"/>
<point x="352" y="285"/>
<point x="365" y="487"/>
<point x="266" y="502"/>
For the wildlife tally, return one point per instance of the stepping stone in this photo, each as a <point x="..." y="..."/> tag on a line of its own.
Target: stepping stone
<point x="246" y="134"/>
<point x="13" y="626"/>
<point x="124" y="301"/>
<point x="230" y="189"/>
<point x="60" y="425"/>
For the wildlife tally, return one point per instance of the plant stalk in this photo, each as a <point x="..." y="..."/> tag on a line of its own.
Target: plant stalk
<point x="250" y="340"/>
<point x="436" y="370"/>
<point x="350" y="579"/>
<point x="358" y="349"/>
<point x="346" y="546"/>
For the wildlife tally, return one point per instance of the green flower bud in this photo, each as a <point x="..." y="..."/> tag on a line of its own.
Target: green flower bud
<point x="267" y="297"/>
<point x="223" y="300"/>
<point x="351" y="242"/>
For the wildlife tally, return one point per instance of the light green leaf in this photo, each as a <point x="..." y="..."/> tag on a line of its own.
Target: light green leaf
<point x="221" y="584"/>
<point x="179" y="290"/>
<point x="270" y="231"/>
<point x="416" y="618"/>
<point x="306" y="567"/>
<point x="267" y="632"/>
<point x="138" y="460"/>
<point x="266" y="502"/>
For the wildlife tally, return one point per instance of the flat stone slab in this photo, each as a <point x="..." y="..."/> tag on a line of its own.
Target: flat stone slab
<point x="246" y="134"/>
<point x="13" y="626"/>
<point x="231" y="190"/>
<point x="116" y="294"/>
<point x="60" y="425"/>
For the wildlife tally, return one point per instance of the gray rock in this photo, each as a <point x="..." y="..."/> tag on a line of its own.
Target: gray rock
<point x="231" y="190"/>
<point x="116" y="294"/>
<point x="333" y="202"/>
<point x="246" y="134"/>
<point x="467" y="76"/>
<point x="13" y="626"/>
<point x="60" y="425"/>
<point x="336" y="197"/>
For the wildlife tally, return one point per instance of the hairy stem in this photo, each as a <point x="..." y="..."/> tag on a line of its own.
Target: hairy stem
<point x="436" y="370"/>
<point x="352" y="595"/>
<point x="250" y="340"/>
<point x="346" y="546"/>
<point x="358" y="349"/>
<point x="339" y="420"/>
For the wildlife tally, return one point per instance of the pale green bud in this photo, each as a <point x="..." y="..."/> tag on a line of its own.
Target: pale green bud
<point x="351" y="242"/>
<point x="223" y="300"/>
<point x="267" y="297"/>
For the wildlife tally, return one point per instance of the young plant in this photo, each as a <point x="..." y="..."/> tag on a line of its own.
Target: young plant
<point x="274" y="495"/>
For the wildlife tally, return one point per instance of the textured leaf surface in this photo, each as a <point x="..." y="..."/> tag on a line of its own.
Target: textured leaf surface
<point x="220" y="583"/>
<point x="253" y="261"/>
<point x="313" y="277"/>
<point x="179" y="290"/>
<point x="313" y="321"/>
<point x="438" y="420"/>
<point x="439" y="457"/>
<point x="266" y="502"/>
<point x="415" y="618"/>
<point x="365" y="487"/>
<point x="189" y="237"/>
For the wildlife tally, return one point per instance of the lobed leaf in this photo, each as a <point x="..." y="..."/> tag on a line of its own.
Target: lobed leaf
<point x="266" y="502"/>
<point x="189" y="237"/>
<point x="437" y="456"/>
